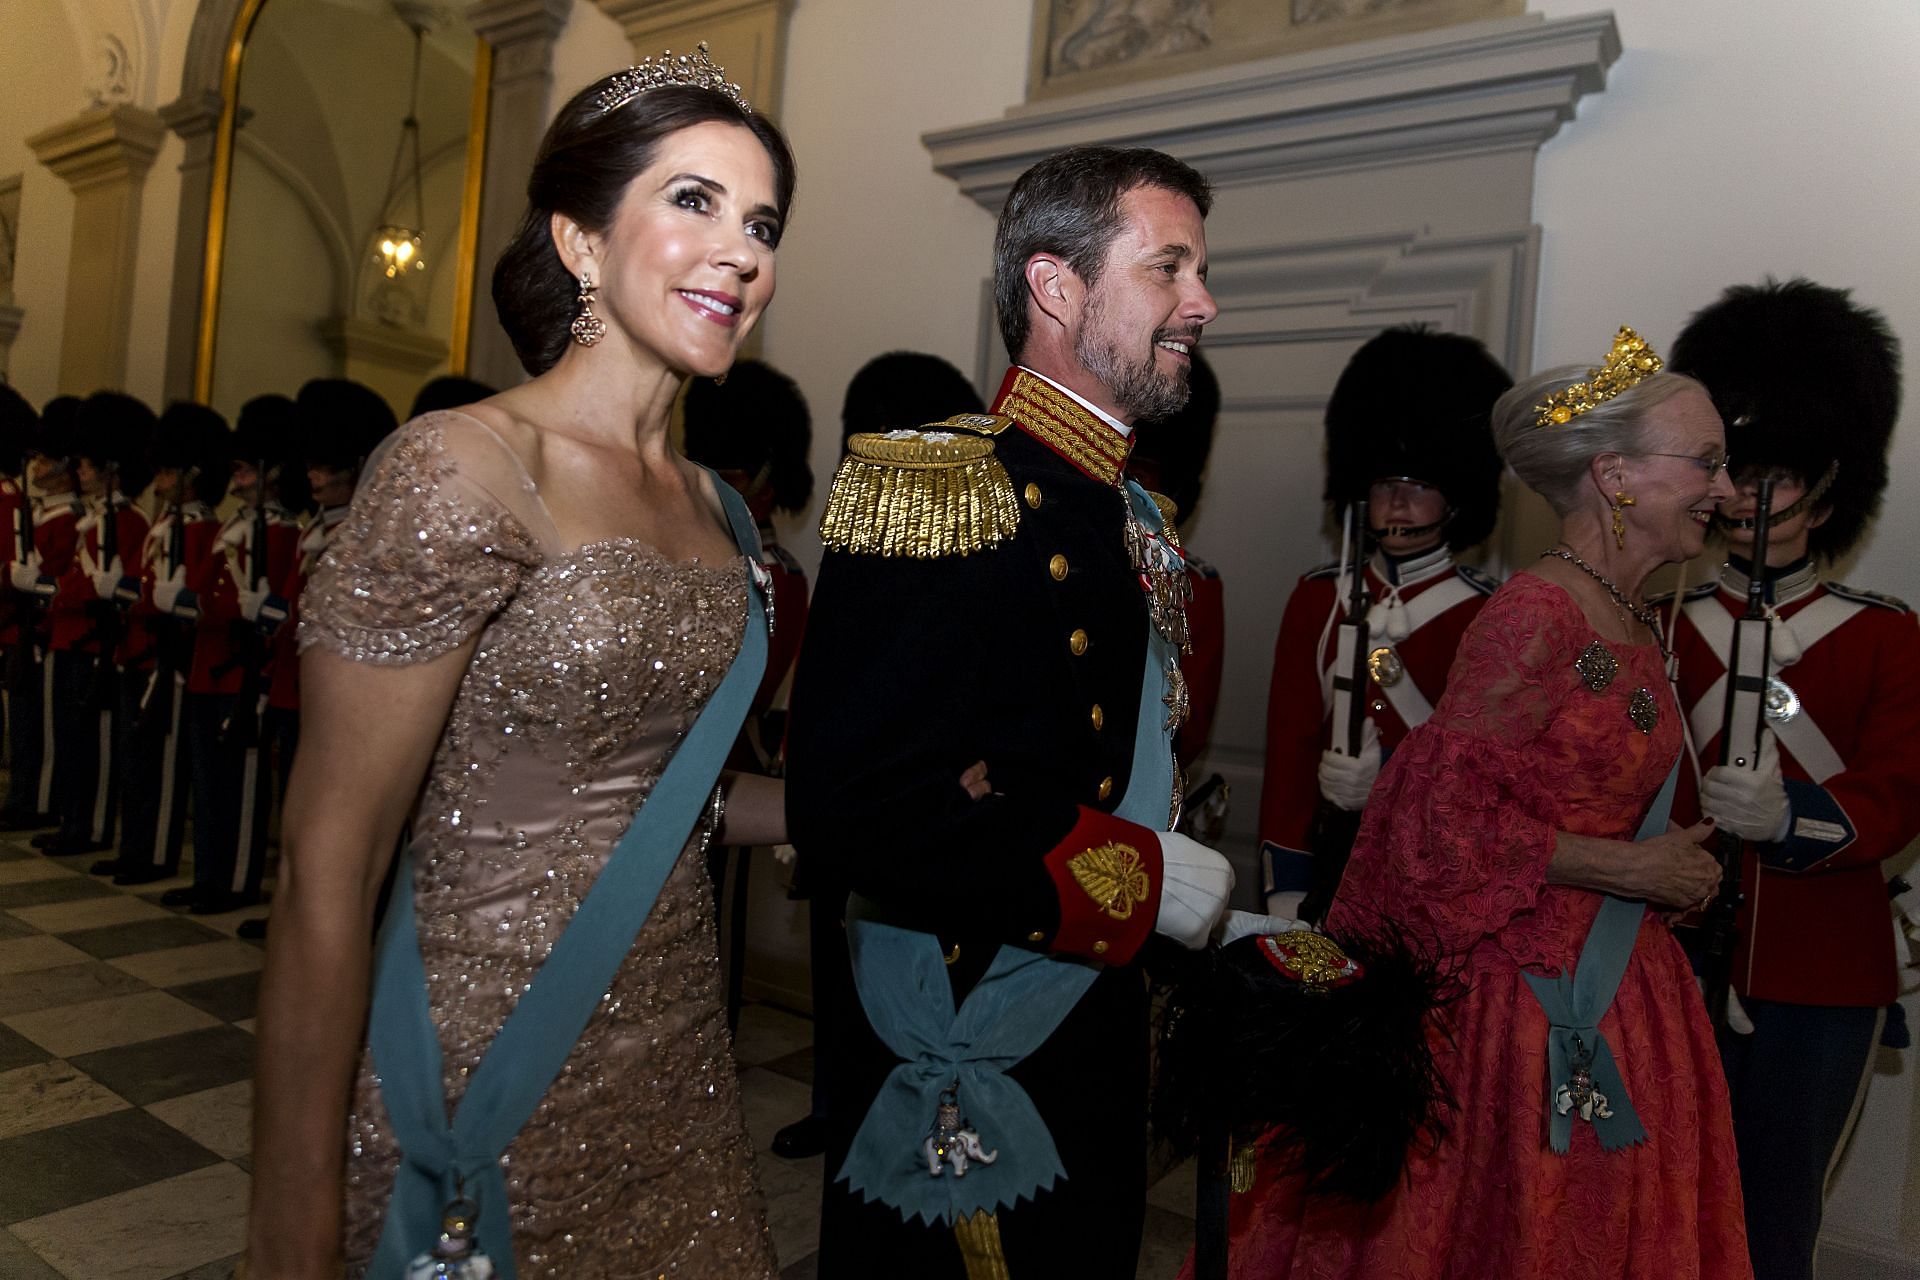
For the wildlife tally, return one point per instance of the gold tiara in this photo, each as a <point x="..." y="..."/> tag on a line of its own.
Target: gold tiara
<point x="1629" y="362"/>
<point x="694" y="70"/>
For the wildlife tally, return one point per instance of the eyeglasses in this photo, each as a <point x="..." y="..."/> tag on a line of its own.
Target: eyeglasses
<point x="1713" y="466"/>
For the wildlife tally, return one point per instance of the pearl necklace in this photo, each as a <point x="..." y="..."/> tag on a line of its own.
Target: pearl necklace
<point x="1647" y="617"/>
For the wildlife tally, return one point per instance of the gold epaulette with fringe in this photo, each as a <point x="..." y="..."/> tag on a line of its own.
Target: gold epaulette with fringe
<point x="936" y="491"/>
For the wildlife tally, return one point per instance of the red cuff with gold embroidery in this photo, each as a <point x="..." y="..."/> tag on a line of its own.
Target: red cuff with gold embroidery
<point x="1107" y="876"/>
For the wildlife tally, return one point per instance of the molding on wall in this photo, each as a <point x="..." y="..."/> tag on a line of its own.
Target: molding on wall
<point x="107" y="145"/>
<point x="1483" y="87"/>
<point x="747" y="37"/>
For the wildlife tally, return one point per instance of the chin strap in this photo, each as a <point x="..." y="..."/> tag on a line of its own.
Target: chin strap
<point x="1789" y="511"/>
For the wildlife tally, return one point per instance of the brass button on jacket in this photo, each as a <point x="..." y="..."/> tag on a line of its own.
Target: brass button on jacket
<point x="1099" y="717"/>
<point x="1058" y="568"/>
<point x="1077" y="641"/>
<point x="1106" y="787"/>
<point x="1032" y="495"/>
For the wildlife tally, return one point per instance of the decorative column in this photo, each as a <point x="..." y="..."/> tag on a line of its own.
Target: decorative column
<point x="104" y="155"/>
<point x="194" y="119"/>
<point x="747" y="37"/>
<point x="10" y="315"/>
<point x="519" y="102"/>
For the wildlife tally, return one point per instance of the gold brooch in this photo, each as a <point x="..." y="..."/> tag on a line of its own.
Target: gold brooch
<point x="1629" y="362"/>
<point x="1113" y="877"/>
<point x="1596" y="666"/>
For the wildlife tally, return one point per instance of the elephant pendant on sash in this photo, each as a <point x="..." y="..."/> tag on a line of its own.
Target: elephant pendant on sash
<point x="950" y="1140"/>
<point x="1578" y="1094"/>
<point x="458" y="1255"/>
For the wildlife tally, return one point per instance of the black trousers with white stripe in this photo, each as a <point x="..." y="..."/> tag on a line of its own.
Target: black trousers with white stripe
<point x="84" y="786"/>
<point x="154" y="773"/>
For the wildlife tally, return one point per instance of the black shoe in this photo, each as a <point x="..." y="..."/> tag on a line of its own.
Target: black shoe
<point x="805" y="1137"/>
<point x="27" y="821"/>
<point x="45" y="840"/>
<point x="105" y="867"/>
<point x="253" y="930"/>
<point x="71" y="848"/>
<point x="142" y="875"/>
<point x="184" y="896"/>
<point x="218" y="904"/>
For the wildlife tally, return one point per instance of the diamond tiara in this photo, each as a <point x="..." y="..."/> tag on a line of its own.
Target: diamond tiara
<point x="1630" y="361"/>
<point x="694" y="70"/>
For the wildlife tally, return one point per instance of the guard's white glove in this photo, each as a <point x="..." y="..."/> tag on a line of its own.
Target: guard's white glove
<point x="1195" y="884"/>
<point x="107" y="581"/>
<point x="1751" y="803"/>
<point x="250" y="601"/>
<point x="235" y="534"/>
<point x="167" y="593"/>
<point x="25" y="576"/>
<point x="785" y="854"/>
<point x="1737" y="1020"/>
<point x="1346" y="781"/>
<point x="1235" y="925"/>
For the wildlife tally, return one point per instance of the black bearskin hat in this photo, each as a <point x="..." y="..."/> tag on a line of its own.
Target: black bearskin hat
<point x="53" y="435"/>
<point x="1417" y="403"/>
<point x="271" y="429"/>
<point x="186" y="434"/>
<point x="18" y="422"/>
<point x="449" y="391"/>
<point x="1807" y="380"/>
<point x="112" y="429"/>
<point x="757" y="425"/>
<point x="1170" y="454"/>
<point x="902" y="390"/>
<point x="342" y="421"/>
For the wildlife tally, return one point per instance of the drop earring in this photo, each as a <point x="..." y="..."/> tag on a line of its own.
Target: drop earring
<point x="587" y="328"/>
<point x="1620" y="503"/>
<point x="720" y="379"/>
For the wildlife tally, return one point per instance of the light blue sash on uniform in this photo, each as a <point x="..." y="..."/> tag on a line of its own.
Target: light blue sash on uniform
<point x="1575" y="1002"/>
<point x="441" y="1161"/>
<point x="1020" y="1001"/>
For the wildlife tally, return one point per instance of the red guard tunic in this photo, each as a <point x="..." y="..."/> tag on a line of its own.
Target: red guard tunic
<point x="283" y="680"/>
<point x="1440" y="600"/>
<point x="12" y="607"/>
<point x="75" y="616"/>
<point x="56" y="536"/>
<point x="212" y="574"/>
<point x="1853" y="782"/>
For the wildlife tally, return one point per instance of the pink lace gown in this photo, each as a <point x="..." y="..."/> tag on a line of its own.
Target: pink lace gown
<point x="1455" y="847"/>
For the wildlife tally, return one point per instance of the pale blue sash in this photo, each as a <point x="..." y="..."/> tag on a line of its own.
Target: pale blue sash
<point x="1020" y="1001"/>
<point x="1575" y="1002"/>
<point x="442" y="1161"/>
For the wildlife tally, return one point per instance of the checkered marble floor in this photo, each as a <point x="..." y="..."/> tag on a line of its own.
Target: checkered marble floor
<point x="125" y="1062"/>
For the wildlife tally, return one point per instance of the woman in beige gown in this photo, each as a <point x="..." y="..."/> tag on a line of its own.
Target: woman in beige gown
<point x="530" y="603"/>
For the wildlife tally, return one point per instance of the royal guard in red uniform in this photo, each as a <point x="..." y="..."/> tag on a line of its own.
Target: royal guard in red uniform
<point x="1809" y="385"/>
<point x="158" y="650"/>
<point x="226" y="687"/>
<point x="88" y="615"/>
<point x="1409" y="446"/>
<point x="17" y="424"/>
<point x="343" y="421"/>
<point x="43" y="553"/>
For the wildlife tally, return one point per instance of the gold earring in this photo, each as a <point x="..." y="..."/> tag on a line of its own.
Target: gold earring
<point x="587" y="328"/>
<point x="1620" y="502"/>
<point x="720" y="380"/>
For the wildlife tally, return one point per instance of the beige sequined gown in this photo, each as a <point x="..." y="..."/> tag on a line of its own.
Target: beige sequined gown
<point x="591" y="664"/>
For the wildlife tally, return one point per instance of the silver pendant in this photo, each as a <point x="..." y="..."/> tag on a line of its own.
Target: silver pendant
<point x="950" y="1141"/>
<point x="1578" y="1096"/>
<point x="1780" y="703"/>
<point x="458" y="1255"/>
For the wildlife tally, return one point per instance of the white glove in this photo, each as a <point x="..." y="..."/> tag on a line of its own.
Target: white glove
<point x="25" y="576"/>
<point x="250" y="602"/>
<point x="167" y="592"/>
<point x="785" y="854"/>
<point x="107" y="581"/>
<point x="1737" y="1020"/>
<point x="1195" y="884"/>
<point x="1751" y="803"/>
<point x="1346" y="781"/>
<point x="1241" y="924"/>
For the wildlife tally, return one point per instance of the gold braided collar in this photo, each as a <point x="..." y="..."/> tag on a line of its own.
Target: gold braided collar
<point x="1063" y="424"/>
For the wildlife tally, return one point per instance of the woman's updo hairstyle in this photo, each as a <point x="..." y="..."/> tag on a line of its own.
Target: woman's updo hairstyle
<point x="584" y="165"/>
<point x="1553" y="461"/>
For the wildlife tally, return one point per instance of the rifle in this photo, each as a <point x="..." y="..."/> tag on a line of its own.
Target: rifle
<point x="170" y="647"/>
<point x="1742" y="725"/>
<point x="109" y="614"/>
<point x="242" y="727"/>
<point x="27" y="606"/>
<point x="1331" y="837"/>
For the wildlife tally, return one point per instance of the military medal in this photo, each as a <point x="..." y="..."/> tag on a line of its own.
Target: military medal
<point x="950" y="1141"/>
<point x="1162" y="568"/>
<point x="1578" y="1096"/>
<point x="457" y="1255"/>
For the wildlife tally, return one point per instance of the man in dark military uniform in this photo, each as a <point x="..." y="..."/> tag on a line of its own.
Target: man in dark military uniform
<point x="1809" y="385"/>
<point x="993" y="590"/>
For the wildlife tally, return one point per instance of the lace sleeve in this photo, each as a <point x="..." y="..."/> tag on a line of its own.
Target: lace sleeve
<point x="430" y="551"/>
<point x="1460" y="829"/>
